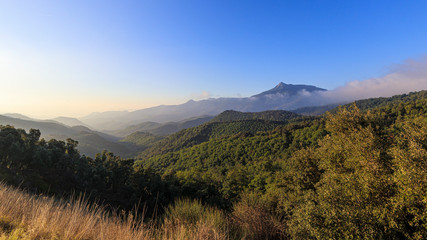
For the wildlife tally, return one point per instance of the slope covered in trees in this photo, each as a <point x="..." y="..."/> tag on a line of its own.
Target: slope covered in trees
<point x="141" y="140"/>
<point x="161" y="129"/>
<point x="227" y="123"/>
<point x="276" y="115"/>
<point x="364" y="104"/>
<point x="194" y="136"/>
<point x="91" y="142"/>
<point x="390" y="101"/>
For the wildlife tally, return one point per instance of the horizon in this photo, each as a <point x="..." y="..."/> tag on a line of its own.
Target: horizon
<point x="130" y="110"/>
<point x="74" y="58"/>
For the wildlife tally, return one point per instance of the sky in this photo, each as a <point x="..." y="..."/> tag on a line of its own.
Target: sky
<point x="71" y="58"/>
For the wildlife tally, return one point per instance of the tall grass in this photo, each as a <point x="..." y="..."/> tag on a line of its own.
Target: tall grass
<point x="36" y="217"/>
<point x="190" y="219"/>
<point x="25" y="216"/>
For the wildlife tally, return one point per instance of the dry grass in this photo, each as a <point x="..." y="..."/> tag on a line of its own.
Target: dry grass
<point x="24" y="216"/>
<point x="190" y="219"/>
<point x="29" y="217"/>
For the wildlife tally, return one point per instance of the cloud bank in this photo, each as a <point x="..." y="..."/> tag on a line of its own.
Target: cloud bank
<point x="408" y="77"/>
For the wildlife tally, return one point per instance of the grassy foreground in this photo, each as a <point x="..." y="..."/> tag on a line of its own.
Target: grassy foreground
<point x="25" y="216"/>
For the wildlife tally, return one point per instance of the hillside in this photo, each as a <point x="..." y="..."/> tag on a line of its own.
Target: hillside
<point x="363" y="104"/>
<point x="71" y="122"/>
<point x="18" y="116"/>
<point x="390" y="101"/>
<point x="193" y="136"/>
<point x="277" y="115"/>
<point x="90" y="142"/>
<point x="48" y="128"/>
<point x="316" y="110"/>
<point x="140" y="141"/>
<point x="226" y="124"/>
<point x="162" y="129"/>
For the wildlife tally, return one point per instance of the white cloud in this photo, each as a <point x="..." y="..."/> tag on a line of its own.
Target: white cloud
<point x="404" y="78"/>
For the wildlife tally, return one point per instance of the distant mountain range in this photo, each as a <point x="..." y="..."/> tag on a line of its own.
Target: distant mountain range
<point x="69" y="121"/>
<point x="170" y="136"/>
<point x="126" y="133"/>
<point x="161" y="129"/>
<point x="90" y="142"/>
<point x="282" y="97"/>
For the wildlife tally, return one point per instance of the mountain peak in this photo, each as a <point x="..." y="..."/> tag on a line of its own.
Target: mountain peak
<point x="281" y="84"/>
<point x="289" y="89"/>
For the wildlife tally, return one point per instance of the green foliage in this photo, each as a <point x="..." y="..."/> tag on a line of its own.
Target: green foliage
<point x="388" y="102"/>
<point x="141" y="140"/>
<point x="409" y="205"/>
<point x="372" y="183"/>
<point x="354" y="186"/>
<point x="276" y="115"/>
<point x="232" y="164"/>
<point x="315" y="111"/>
<point x="162" y="129"/>
<point x="90" y="142"/>
<point x="56" y="167"/>
<point x="203" y="133"/>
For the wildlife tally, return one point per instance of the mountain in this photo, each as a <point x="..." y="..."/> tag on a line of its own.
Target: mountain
<point x="140" y="141"/>
<point x="364" y="103"/>
<point x="90" y="142"/>
<point x="47" y="128"/>
<point x="289" y="89"/>
<point x="141" y="127"/>
<point x="282" y="97"/>
<point x="69" y="121"/>
<point x="274" y="115"/>
<point x="17" y="115"/>
<point x="59" y="120"/>
<point x="315" y="110"/>
<point x="162" y="129"/>
<point x="226" y="124"/>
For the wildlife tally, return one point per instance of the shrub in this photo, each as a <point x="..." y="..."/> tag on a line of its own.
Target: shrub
<point x="256" y="220"/>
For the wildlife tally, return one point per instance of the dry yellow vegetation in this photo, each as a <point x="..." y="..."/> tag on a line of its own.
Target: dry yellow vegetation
<point x="25" y="216"/>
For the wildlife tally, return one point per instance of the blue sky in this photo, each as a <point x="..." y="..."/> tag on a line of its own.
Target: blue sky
<point x="76" y="57"/>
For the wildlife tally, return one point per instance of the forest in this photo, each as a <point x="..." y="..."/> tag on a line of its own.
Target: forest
<point x="358" y="171"/>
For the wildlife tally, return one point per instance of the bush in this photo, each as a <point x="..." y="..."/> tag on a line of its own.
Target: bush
<point x="193" y="220"/>
<point x="256" y="220"/>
